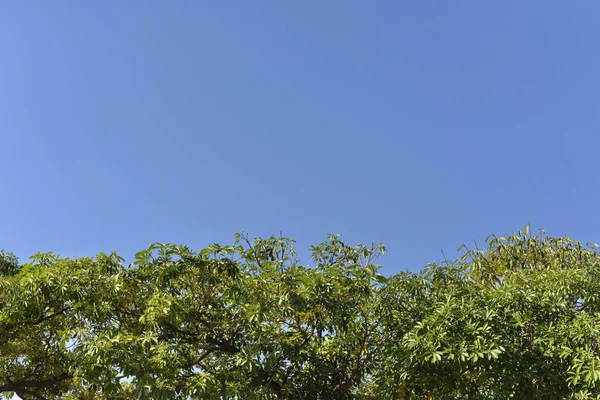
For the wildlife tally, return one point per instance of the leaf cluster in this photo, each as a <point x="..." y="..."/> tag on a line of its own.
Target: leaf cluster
<point x="518" y="319"/>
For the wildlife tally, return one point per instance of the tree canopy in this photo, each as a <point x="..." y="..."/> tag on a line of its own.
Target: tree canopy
<point x="518" y="319"/>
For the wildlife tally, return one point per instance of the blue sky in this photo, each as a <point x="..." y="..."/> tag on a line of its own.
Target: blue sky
<point x="424" y="124"/>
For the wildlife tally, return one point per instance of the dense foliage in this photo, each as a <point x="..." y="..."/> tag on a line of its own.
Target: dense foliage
<point x="519" y="319"/>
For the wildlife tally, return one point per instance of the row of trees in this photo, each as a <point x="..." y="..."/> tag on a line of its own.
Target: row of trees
<point x="519" y="319"/>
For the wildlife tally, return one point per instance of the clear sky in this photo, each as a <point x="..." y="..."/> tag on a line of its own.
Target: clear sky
<point x="424" y="124"/>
